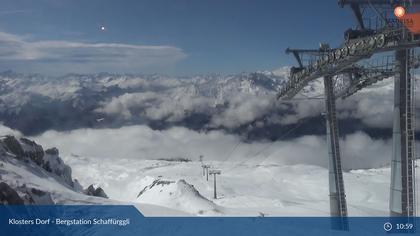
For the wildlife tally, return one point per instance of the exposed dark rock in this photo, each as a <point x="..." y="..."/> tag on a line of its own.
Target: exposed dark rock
<point x="38" y="192"/>
<point x="77" y="186"/>
<point x="175" y="159"/>
<point x="47" y="166"/>
<point x="52" y="151"/>
<point x="54" y="164"/>
<point x="39" y="197"/>
<point x="28" y="150"/>
<point x="155" y="183"/>
<point x="33" y="150"/>
<point x="98" y="192"/>
<point x="8" y="196"/>
<point x="64" y="171"/>
<point x="13" y="146"/>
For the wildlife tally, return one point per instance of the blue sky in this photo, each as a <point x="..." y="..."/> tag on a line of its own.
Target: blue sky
<point x="156" y="36"/>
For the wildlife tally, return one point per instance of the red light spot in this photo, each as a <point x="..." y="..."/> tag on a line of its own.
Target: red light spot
<point x="399" y="11"/>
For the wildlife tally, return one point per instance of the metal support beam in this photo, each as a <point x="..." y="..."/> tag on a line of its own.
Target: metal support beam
<point x="215" y="191"/>
<point x="214" y="173"/>
<point x="339" y="60"/>
<point x="402" y="200"/>
<point x="296" y="54"/>
<point x="358" y="14"/>
<point x="206" y="171"/>
<point x="338" y="205"/>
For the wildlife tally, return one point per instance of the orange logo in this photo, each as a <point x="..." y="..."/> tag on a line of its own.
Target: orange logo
<point x="399" y="11"/>
<point x="410" y="20"/>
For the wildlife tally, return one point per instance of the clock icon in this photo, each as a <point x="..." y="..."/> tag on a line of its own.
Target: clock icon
<point x="387" y="226"/>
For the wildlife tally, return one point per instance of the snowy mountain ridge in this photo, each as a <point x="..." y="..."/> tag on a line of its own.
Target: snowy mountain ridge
<point x="241" y="104"/>
<point x="78" y="101"/>
<point x="73" y="85"/>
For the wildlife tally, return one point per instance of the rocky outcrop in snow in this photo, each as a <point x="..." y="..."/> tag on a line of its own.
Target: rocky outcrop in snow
<point x="35" y="196"/>
<point x="27" y="150"/>
<point x="18" y="153"/>
<point x="23" y="195"/>
<point x="8" y="196"/>
<point x="53" y="163"/>
<point x="97" y="192"/>
<point x="12" y="145"/>
<point x="32" y="150"/>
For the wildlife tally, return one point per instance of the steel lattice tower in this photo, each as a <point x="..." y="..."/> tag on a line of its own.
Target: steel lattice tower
<point x="347" y="61"/>
<point x="402" y="200"/>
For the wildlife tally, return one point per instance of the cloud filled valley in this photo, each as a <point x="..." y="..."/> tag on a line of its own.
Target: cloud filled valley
<point x="143" y="143"/>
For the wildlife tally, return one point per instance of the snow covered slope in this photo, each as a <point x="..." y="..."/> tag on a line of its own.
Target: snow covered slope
<point x="177" y="195"/>
<point x="244" y="189"/>
<point x="178" y="188"/>
<point x="29" y="175"/>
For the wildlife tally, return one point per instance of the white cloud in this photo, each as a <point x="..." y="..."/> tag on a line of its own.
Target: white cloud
<point x="7" y="131"/>
<point x="141" y="142"/>
<point x="67" y="56"/>
<point x="123" y="104"/>
<point x="282" y="71"/>
<point x="374" y="105"/>
<point x="242" y="110"/>
<point x="301" y="109"/>
<point x="156" y="105"/>
<point x="174" y="110"/>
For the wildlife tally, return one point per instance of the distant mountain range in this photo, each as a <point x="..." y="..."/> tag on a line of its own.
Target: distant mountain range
<point x="242" y="103"/>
